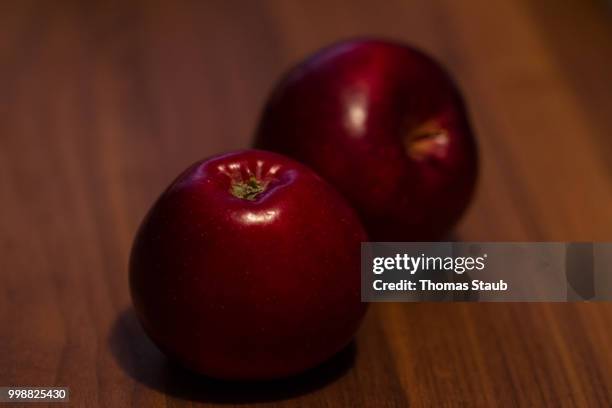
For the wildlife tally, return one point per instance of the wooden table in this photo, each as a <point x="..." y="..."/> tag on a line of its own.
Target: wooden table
<point x="102" y="104"/>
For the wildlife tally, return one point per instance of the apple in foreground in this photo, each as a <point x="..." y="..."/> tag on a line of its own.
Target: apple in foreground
<point x="247" y="267"/>
<point x="385" y="125"/>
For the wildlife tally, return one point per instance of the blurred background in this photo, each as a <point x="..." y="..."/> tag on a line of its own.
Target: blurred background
<point x="102" y="104"/>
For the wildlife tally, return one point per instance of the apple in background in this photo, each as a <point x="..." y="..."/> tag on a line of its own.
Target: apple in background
<point x="248" y="267"/>
<point x="385" y="125"/>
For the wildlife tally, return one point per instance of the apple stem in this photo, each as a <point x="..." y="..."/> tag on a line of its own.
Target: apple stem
<point x="249" y="189"/>
<point x="426" y="140"/>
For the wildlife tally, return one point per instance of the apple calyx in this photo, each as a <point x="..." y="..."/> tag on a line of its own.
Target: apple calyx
<point x="249" y="189"/>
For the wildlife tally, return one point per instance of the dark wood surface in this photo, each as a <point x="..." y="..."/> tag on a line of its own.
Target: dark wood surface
<point x="102" y="104"/>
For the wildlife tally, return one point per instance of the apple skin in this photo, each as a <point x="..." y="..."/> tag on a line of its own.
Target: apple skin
<point x="240" y="289"/>
<point x="385" y="125"/>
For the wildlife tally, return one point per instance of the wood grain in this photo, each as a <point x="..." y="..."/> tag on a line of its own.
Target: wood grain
<point x="103" y="103"/>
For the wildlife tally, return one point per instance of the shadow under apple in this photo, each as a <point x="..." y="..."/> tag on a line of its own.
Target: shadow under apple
<point x="141" y="359"/>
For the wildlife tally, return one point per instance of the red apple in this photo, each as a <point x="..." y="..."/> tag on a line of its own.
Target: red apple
<point x="247" y="267"/>
<point x="385" y="125"/>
